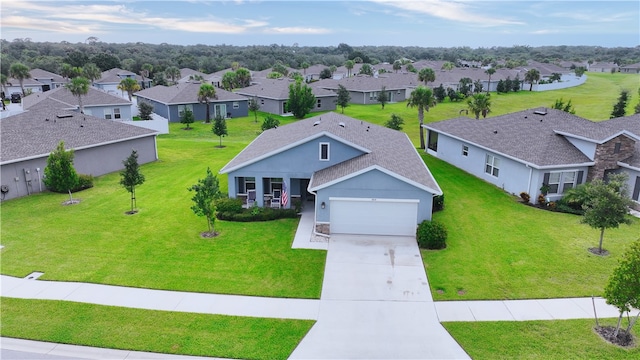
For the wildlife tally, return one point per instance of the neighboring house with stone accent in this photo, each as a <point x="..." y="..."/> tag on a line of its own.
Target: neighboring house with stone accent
<point x="100" y="146"/>
<point x="521" y="151"/>
<point x="96" y="103"/>
<point x="360" y="178"/>
<point x="273" y="94"/>
<point x="170" y="102"/>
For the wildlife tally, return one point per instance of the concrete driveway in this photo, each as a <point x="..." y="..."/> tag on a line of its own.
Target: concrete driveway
<point x="376" y="304"/>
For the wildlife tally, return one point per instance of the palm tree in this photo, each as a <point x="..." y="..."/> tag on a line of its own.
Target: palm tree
<point x="304" y="66"/>
<point x="533" y="75"/>
<point x="78" y="86"/>
<point x="92" y="72"/>
<point x="490" y="71"/>
<point x="480" y="104"/>
<point x="130" y="85"/>
<point x="427" y="75"/>
<point x="145" y="71"/>
<point x="397" y="65"/>
<point x="172" y="73"/>
<point x="448" y="65"/>
<point x="349" y="65"/>
<point x="422" y="98"/>
<point x="205" y="94"/>
<point x="243" y="77"/>
<point x="20" y="72"/>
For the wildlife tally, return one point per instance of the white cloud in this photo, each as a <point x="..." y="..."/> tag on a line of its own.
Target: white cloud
<point x="464" y="12"/>
<point x="297" y="30"/>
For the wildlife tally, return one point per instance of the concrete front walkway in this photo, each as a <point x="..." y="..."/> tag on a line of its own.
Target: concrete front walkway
<point x="376" y="304"/>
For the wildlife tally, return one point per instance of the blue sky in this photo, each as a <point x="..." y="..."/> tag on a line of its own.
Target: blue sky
<point x="427" y="23"/>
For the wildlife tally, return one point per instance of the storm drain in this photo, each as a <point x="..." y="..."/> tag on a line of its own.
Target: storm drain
<point x="34" y="275"/>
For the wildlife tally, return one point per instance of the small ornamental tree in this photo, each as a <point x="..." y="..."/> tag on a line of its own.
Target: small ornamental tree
<point x="219" y="127"/>
<point x="270" y="123"/>
<point x="623" y="288"/>
<point x="254" y="106"/>
<point x="395" y="122"/>
<point x="619" y="109"/>
<point x="301" y="99"/>
<point x="383" y="96"/>
<point x="207" y="191"/>
<point x="187" y="118"/>
<point x="60" y="175"/>
<point x="130" y="177"/>
<point x="606" y="205"/>
<point x="144" y="110"/>
<point x="343" y="97"/>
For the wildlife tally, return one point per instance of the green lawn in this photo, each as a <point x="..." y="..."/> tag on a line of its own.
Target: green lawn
<point x="160" y="247"/>
<point x="154" y="331"/>
<point x="558" y="339"/>
<point x="499" y="248"/>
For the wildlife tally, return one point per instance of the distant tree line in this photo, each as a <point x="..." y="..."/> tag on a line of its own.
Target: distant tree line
<point x="140" y="57"/>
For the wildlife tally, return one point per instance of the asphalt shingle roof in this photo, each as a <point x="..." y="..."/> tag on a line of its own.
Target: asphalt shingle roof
<point x="278" y="89"/>
<point x="65" y="99"/>
<point x="388" y="149"/>
<point x="30" y="134"/>
<point x="185" y="93"/>
<point x="535" y="138"/>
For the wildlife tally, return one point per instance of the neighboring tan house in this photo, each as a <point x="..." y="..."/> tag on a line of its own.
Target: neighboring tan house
<point x="606" y="67"/>
<point x="365" y="89"/>
<point x="521" y="151"/>
<point x="48" y="79"/>
<point x="363" y="178"/>
<point x="110" y="80"/>
<point x="170" y="102"/>
<point x="631" y="69"/>
<point x="273" y="94"/>
<point x="99" y="146"/>
<point x="96" y="103"/>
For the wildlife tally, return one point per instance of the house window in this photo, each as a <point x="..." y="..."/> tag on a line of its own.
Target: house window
<point x="561" y="182"/>
<point x="246" y="184"/>
<point x="324" y="151"/>
<point x="116" y="113"/>
<point x="465" y="150"/>
<point x="261" y="101"/>
<point x="373" y="95"/>
<point x="236" y="105"/>
<point x="492" y="165"/>
<point x="432" y="141"/>
<point x="319" y="103"/>
<point x="182" y="108"/>
<point x="616" y="148"/>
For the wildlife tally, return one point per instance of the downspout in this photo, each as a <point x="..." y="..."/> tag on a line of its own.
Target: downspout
<point x="530" y="177"/>
<point x="39" y="179"/>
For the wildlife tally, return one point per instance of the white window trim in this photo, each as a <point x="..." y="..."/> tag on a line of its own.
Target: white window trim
<point x="182" y="108"/>
<point x="492" y="164"/>
<point x="118" y="114"/>
<point x="465" y="150"/>
<point x="328" y="151"/>
<point x="561" y="180"/>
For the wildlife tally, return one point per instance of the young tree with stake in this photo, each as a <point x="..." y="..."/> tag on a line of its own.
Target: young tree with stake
<point x="130" y="177"/>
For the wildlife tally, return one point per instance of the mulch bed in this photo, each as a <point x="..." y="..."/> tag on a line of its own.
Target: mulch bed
<point x="208" y="235"/>
<point x="596" y="251"/>
<point x="624" y="339"/>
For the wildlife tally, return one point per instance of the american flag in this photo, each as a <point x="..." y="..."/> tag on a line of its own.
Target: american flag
<point x="285" y="196"/>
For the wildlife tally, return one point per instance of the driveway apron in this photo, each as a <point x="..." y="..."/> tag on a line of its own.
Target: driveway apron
<point x="376" y="304"/>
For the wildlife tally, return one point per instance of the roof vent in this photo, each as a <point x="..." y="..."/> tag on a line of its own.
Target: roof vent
<point x="495" y="131"/>
<point x="540" y="112"/>
<point x="316" y="123"/>
<point x="64" y="116"/>
<point x="341" y="124"/>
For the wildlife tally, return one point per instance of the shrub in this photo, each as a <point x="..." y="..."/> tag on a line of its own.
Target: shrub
<point x="432" y="235"/>
<point x="525" y="196"/>
<point x="438" y="202"/>
<point x="229" y="205"/>
<point x="257" y="214"/>
<point x="85" y="181"/>
<point x="542" y="200"/>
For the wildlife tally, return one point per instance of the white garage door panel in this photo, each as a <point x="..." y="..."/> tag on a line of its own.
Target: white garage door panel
<point x="373" y="216"/>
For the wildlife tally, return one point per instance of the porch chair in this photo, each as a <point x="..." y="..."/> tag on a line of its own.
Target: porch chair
<point x="275" y="200"/>
<point x="251" y="198"/>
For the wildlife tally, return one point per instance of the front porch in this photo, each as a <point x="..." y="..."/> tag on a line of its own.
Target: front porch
<point x="270" y="191"/>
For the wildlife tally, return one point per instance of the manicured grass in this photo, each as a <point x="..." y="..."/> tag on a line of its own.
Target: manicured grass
<point x="160" y="247"/>
<point x="499" y="248"/>
<point x="152" y="331"/>
<point x="558" y="339"/>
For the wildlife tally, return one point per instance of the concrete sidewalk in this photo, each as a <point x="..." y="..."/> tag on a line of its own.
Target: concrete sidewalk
<point x="280" y="308"/>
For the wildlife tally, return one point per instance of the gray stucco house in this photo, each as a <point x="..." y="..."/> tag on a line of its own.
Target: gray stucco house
<point x="361" y="178"/>
<point x="110" y="80"/>
<point x="364" y="89"/>
<point x="170" y="102"/>
<point x="273" y="94"/>
<point x="100" y="146"/>
<point x="95" y="103"/>
<point x="519" y="152"/>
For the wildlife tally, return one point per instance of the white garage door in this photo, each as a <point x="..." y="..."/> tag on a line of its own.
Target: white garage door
<point x="373" y="216"/>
